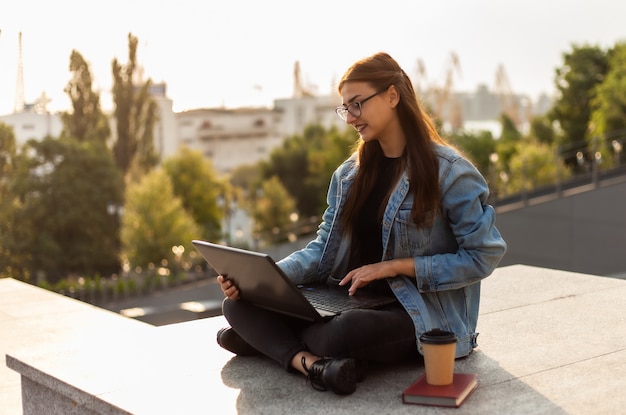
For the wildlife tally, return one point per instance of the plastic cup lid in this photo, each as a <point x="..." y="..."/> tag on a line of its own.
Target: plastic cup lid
<point x="437" y="336"/>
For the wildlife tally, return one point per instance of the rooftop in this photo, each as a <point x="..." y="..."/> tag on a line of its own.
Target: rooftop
<point x="551" y="342"/>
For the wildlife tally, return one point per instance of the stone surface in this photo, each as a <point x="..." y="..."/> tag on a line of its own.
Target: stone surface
<point x="550" y="342"/>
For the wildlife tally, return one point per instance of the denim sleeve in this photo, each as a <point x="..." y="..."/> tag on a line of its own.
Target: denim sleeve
<point x="471" y="220"/>
<point x="303" y="266"/>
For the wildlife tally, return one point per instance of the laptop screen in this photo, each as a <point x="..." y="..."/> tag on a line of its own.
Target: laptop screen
<point x="259" y="279"/>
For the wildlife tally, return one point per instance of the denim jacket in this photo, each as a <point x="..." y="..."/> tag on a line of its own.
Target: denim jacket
<point x="451" y="256"/>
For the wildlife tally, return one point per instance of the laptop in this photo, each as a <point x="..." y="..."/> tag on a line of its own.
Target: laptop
<point x="263" y="283"/>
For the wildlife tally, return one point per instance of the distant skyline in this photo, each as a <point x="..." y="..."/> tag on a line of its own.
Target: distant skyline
<point x="242" y="52"/>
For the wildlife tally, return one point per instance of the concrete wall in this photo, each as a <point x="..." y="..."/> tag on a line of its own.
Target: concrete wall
<point x="582" y="232"/>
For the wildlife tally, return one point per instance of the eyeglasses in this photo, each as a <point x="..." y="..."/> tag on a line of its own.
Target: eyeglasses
<point x="354" y="108"/>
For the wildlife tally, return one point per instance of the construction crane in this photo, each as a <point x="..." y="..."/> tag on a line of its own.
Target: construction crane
<point x="421" y="77"/>
<point x="19" y="86"/>
<point x="508" y="100"/>
<point x="445" y="107"/>
<point x="299" y="89"/>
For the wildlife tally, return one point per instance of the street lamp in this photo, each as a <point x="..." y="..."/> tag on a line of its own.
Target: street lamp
<point x="557" y="165"/>
<point x="293" y="236"/>
<point x="229" y="205"/>
<point x="178" y="251"/>
<point x="580" y="158"/>
<point x="617" y="148"/>
<point x="597" y="160"/>
<point x="493" y="163"/>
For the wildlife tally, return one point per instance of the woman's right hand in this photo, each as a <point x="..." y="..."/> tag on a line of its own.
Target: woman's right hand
<point x="228" y="287"/>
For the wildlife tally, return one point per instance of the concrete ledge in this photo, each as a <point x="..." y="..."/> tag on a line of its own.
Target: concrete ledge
<point x="551" y="342"/>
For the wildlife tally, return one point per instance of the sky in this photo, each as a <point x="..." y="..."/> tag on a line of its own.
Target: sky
<point x="235" y="53"/>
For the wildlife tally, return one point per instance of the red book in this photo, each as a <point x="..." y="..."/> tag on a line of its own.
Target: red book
<point x="451" y="395"/>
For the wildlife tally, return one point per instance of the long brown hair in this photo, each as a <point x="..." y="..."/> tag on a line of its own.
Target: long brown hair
<point x="381" y="71"/>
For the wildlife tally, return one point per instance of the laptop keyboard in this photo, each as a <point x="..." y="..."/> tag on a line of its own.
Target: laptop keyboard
<point x="340" y="301"/>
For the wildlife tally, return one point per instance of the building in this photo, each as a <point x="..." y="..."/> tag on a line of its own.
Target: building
<point x="165" y="135"/>
<point x="230" y="137"/>
<point x="36" y="122"/>
<point x="235" y="137"/>
<point x="33" y="124"/>
<point x="297" y="113"/>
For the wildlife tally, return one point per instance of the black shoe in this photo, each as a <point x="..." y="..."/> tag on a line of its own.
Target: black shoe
<point x="337" y="375"/>
<point x="228" y="339"/>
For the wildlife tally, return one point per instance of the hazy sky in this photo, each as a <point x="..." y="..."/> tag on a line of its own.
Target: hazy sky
<point x="242" y="52"/>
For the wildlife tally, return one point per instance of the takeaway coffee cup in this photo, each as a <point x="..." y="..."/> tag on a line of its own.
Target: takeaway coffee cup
<point x="438" y="348"/>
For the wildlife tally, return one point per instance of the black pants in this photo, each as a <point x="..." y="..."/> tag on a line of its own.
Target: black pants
<point x="383" y="335"/>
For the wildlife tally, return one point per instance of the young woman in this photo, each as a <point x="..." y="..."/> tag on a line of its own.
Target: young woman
<point x="407" y="215"/>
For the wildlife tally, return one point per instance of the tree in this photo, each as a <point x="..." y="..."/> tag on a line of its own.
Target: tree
<point x="583" y="69"/>
<point x="246" y="177"/>
<point x="533" y="164"/>
<point x="195" y="182"/>
<point x="478" y="147"/>
<point x="154" y="222"/>
<point x="305" y="163"/>
<point x="8" y="152"/>
<point x="7" y="165"/>
<point x="507" y="145"/>
<point x="327" y="150"/>
<point x="87" y="121"/>
<point x="609" y="104"/>
<point x="61" y="225"/>
<point x="135" y="114"/>
<point x="273" y="211"/>
<point x="289" y="164"/>
<point x="542" y="129"/>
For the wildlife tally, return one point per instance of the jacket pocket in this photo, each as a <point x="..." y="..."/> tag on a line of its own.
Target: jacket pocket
<point x="410" y="241"/>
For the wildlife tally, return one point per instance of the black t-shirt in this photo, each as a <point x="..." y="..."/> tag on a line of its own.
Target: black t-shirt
<point x="367" y="237"/>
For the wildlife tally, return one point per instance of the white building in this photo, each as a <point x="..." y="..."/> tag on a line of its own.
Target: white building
<point x="35" y="122"/>
<point x="230" y="137"/>
<point x="235" y="137"/>
<point x="297" y="113"/>
<point x="30" y="124"/>
<point x="165" y="134"/>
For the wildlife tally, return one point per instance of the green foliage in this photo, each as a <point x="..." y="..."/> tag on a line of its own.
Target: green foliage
<point x="196" y="184"/>
<point x="59" y="221"/>
<point x="304" y="165"/>
<point x="609" y="115"/>
<point x="584" y="68"/>
<point x="541" y="128"/>
<point x="7" y="153"/>
<point x="272" y="211"/>
<point x="506" y="146"/>
<point x="246" y="182"/>
<point x="246" y="176"/>
<point x="7" y="205"/>
<point x="532" y="165"/>
<point x="135" y="114"/>
<point x="328" y="149"/>
<point x="154" y="222"/>
<point x="289" y="164"/>
<point x="87" y="121"/>
<point x="478" y="147"/>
